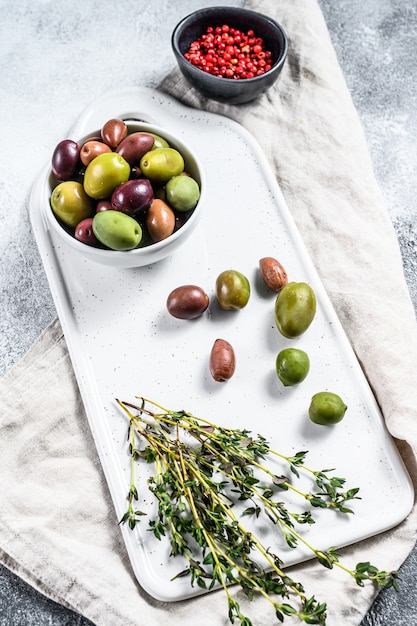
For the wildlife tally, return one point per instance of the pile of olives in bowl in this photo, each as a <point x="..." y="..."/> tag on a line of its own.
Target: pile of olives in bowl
<point x="126" y="195"/>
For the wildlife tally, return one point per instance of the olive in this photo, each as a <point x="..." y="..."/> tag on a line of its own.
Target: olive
<point x="295" y="308"/>
<point x="135" y="172"/>
<point x="161" y="164"/>
<point x="273" y="273"/>
<point x="182" y="193"/>
<point x="92" y="148"/>
<point x="117" y="230"/>
<point x="160" y="220"/>
<point x="133" y="196"/>
<point x="180" y="218"/>
<point x="222" y="361"/>
<point x="113" y="132"/>
<point x="84" y="233"/>
<point x="187" y="302"/>
<point x="65" y="159"/>
<point x="104" y="173"/>
<point x="103" y="205"/>
<point x="70" y="203"/>
<point x="159" y="192"/>
<point x="159" y="142"/>
<point x="292" y="366"/>
<point x="134" y="146"/>
<point x="232" y="290"/>
<point x="326" y="408"/>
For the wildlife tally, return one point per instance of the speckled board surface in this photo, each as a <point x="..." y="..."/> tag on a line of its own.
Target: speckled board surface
<point x="49" y="62"/>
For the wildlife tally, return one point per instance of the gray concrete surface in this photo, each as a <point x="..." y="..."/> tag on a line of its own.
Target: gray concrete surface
<point x="48" y="74"/>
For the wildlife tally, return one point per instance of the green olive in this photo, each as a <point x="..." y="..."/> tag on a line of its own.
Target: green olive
<point x="232" y="290"/>
<point x="161" y="164"/>
<point x="292" y="366"/>
<point x="159" y="142"/>
<point x="104" y="173"/>
<point x="326" y="408"/>
<point x="70" y="203"/>
<point x="295" y="308"/>
<point x="182" y="193"/>
<point x="117" y="230"/>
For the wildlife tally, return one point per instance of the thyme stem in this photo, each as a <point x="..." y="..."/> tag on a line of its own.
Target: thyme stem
<point x="202" y="472"/>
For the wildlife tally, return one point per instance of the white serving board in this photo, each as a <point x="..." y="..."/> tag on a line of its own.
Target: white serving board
<point x="123" y="343"/>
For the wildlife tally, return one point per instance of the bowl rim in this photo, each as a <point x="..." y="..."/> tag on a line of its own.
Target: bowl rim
<point x="223" y="9"/>
<point x="151" y="249"/>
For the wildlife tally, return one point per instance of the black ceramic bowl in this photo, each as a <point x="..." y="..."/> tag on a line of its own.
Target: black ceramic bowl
<point x="220" y="88"/>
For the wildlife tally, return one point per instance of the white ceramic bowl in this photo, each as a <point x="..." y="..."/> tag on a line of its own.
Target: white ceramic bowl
<point x="152" y="252"/>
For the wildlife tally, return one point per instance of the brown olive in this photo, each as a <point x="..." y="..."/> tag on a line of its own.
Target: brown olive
<point x="160" y="220"/>
<point x="113" y="132"/>
<point x="273" y="273"/>
<point x="187" y="302"/>
<point x="222" y="361"/>
<point x="92" y="148"/>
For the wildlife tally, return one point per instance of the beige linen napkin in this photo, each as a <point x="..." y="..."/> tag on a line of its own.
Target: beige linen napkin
<point x="58" y="529"/>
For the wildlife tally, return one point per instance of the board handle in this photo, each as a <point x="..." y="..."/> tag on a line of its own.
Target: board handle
<point x="138" y="117"/>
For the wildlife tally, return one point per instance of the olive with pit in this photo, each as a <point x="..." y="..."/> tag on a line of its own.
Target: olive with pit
<point x="182" y="193"/>
<point x="161" y="164"/>
<point x="133" y="196"/>
<point x="187" y="302"/>
<point x="104" y="173"/>
<point x="160" y="220"/>
<point x="113" y="132"/>
<point x="222" y="361"/>
<point x="103" y="205"/>
<point x="273" y="273"/>
<point x="326" y="408"/>
<point x="292" y="366"/>
<point x="116" y="230"/>
<point x="66" y="159"/>
<point x="134" y="146"/>
<point x="159" y="142"/>
<point x="84" y="233"/>
<point x="70" y="203"/>
<point x="181" y="218"/>
<point x="232" y="290"/>
<point x="295" y="308"/>
<point x="91" y="149"/>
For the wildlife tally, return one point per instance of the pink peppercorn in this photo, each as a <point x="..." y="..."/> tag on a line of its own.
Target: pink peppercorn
<point x="230" y="53"/>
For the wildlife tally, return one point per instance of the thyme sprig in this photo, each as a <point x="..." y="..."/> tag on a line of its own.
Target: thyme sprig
<point x="207" y="480"/>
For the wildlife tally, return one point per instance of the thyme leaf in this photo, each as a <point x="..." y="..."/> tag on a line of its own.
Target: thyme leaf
<point x="202" y="474"/>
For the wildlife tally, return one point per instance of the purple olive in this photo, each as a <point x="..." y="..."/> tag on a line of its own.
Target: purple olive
<point x="66" y="159"/>
<point x="84" y="233"/>
<point x="134" y="146"/>
<point x="133" y="196"/>
<point x="187" y="302"/>
<point x="103" y="205"/>
<point x="135" y="172"/>
<point x="180" y="219"/>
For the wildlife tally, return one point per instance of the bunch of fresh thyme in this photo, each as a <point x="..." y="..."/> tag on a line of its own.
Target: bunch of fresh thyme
<point x="202" y="471"/>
